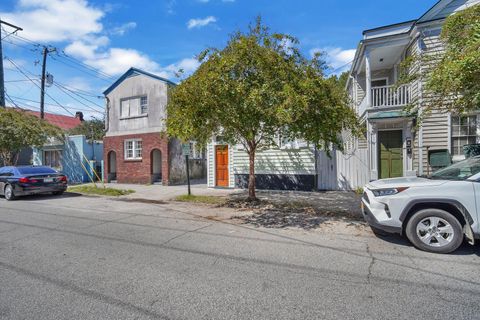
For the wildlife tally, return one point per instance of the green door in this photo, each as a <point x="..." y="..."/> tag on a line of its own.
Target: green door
<point x="390" y="154"/>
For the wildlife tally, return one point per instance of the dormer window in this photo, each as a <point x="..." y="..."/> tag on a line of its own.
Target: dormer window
<point x="133" y="107"/>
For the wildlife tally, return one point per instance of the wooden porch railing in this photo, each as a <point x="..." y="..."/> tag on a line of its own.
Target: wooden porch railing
<point x="391" y="96"/>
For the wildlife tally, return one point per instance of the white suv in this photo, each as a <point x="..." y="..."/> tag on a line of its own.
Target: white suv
<point x="435" y="213"/>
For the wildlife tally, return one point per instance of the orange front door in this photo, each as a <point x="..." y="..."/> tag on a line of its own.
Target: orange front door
<point x="221" y="163"/>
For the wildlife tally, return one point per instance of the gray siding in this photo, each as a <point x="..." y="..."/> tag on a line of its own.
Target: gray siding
<point x="135" y="86"/>
<point x="435" y="126"/>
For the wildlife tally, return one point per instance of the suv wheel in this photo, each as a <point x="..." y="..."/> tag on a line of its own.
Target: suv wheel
<point x="434" y="230"/>
<point x="8" y="192"/>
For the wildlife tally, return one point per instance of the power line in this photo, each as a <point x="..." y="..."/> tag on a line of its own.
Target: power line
<point x="15" y="65"/>
<point x="22" y="80"/>
<point x="2" y="77"/>
<point x="54" y="105"/>
<point x="75" y="60"/>
<point x="10" y="99"/>
<point x="81" y="70"/>
<point x="71" y="96"/>
<point x="71" y="59"/>
<point x="80" y="91"/>
<point x="78" y="95"/>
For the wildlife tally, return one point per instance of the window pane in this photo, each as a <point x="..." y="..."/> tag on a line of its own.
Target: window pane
<point x="138" y="149"/>
<point x="128" y="149"/>
<point x="144" y="105"/>
<point x="124" y="108"/>
<point x="134" y="107"/>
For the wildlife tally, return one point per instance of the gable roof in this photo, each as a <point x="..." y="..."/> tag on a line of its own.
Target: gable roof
<point x="135" y="72"/>
<point x="61" y="121"/>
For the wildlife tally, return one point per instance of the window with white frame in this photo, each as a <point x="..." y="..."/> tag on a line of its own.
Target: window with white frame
<point x="53" y="158"/>
<point x="133" y="107"/>
<point x="464" y="131"/>
<point x="143" y="105"/>
<point x="133" y="149"/>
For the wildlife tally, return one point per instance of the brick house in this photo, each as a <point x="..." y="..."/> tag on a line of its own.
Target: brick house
<point x="136" y="148"/>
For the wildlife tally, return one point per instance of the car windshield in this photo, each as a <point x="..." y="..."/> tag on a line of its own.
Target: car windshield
<point x="35" y="170"/>
<point x="459" y="171"/>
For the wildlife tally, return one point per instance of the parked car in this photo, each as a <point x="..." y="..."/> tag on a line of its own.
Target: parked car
<point x="28" y="180"/>
<point x="435" y="213"/>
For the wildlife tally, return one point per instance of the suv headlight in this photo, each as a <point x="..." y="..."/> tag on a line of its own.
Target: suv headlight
<point x="388" y="191"/>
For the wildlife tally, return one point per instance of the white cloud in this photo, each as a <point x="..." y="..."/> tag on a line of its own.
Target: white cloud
<point x="115" y="61"/>
<point x="198" y="23"/>
<point x="188" y="66"/>
<point x="55" y="20"/>
<point x="86" y="49"/>
<point x="77" y="24"/>
<point x="338" y="59"/>
<point x="124" y="28"/>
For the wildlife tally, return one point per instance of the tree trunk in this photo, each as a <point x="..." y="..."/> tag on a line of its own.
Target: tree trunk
<point x="251" y="176"/>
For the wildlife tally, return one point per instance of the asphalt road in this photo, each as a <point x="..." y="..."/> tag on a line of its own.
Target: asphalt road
<point x="90" y="258"/>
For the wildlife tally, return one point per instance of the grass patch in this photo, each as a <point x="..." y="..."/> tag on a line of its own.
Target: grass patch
<point x="91" y="189"/>
<point x="201" y="199"/>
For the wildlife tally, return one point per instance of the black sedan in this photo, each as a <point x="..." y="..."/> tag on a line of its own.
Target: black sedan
<point x="27" y="180"/>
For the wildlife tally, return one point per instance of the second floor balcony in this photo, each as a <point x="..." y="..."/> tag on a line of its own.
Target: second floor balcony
<point x="391" y="96"/>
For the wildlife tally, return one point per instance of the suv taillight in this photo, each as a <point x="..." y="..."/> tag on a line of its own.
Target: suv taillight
<point x="63" y="179"/>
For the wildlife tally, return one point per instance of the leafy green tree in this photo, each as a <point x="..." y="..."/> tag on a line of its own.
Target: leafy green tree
<point x="19" y="130"/>
<point x="456" y="77"/>
<point x="256" y="87"/>
<point x="93" y="129"/>
<point x="452" y="76"/>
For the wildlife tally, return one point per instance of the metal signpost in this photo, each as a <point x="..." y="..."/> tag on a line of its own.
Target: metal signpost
<point x="186" y="153"/>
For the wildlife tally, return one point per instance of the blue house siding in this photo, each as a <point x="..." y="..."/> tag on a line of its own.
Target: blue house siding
<point x="73" y="151"/>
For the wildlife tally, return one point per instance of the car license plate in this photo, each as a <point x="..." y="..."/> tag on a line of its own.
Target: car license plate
<point x="48" y="180"/>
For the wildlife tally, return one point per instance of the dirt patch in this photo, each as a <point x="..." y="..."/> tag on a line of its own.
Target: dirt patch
<point x="297" y="214"/>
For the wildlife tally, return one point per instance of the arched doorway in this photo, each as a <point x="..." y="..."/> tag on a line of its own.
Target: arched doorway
<point x="112" y="166"/>
<point x="156" y="165"/>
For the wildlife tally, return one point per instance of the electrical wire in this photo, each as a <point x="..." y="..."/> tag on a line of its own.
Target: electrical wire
<point x="61" y="106"/>
<point x="71" y="96"/>
<point x="78" y="95"/>
<point x="54" y="105"/>
<point x="98" y="73"/>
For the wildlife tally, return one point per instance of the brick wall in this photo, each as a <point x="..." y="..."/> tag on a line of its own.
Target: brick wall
<point x="136" y="171"/>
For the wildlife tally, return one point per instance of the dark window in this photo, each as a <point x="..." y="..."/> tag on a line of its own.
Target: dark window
<point x="35" y="170"/>
<point x="6" y="172"/>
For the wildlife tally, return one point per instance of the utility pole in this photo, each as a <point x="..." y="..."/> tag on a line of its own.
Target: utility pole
<point x="45" y="52"/>
<point x="2" y="78"/>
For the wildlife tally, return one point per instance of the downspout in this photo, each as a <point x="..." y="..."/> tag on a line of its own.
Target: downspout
<point x="107" y="113"/>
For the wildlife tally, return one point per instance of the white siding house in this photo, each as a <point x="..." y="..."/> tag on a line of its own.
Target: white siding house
<point x="291" y="167"/>
<point x="394" y="145"/>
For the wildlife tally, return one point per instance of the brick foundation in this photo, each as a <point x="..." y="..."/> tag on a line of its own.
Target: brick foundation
<point x="136" y="171"/>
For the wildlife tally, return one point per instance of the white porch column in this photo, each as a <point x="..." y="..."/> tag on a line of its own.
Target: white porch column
<point x="368" y="79"/>
<point x="373" y="151"/>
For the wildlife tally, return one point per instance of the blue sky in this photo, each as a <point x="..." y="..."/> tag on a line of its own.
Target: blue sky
<point x="162" y="36"/>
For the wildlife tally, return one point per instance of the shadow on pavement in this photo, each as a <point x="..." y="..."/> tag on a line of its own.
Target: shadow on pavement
<point x="464" y="250"/>
<point x="46" y="196"/>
